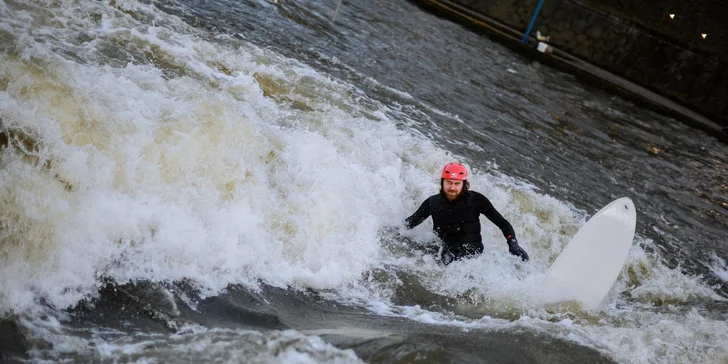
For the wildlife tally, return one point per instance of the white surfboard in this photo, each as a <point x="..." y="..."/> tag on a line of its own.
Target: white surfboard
<point x="590" y="264"/>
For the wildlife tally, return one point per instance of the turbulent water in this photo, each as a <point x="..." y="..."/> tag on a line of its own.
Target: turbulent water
<point x="226" y="181"/>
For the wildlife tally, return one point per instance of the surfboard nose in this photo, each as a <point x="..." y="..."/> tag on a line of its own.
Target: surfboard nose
<point x="587" y="268"/>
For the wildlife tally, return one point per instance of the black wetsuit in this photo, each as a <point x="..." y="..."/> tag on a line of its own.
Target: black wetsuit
<point x="457" y="222"/>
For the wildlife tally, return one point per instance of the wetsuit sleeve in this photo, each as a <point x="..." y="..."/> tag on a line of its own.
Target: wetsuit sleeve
<point x="419" y="216"/>
<point x="486" y="208"/>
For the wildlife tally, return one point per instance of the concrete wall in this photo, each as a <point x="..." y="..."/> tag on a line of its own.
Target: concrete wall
<point x="692" y="17"/>
<point x="695" y="76"/>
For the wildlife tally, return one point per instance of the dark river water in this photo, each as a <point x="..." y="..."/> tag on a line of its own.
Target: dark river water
<point x="225" y="181"/>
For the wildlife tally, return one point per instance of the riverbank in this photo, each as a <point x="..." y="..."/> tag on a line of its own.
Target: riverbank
<point x="562" y="60"/>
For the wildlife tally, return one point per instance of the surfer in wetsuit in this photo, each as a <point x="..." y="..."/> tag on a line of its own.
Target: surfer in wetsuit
<point x="456" y="213"/>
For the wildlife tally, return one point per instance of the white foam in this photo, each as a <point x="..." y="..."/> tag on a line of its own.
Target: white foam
<point x="719" y="267"/>
<point x="241" y="166"/>
<point x="287" y="346"/>
<point x="196" y="344"/>
<point x="199" y="177"/>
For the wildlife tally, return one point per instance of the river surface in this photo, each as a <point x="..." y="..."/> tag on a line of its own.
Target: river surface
<point x="225" y="181"/>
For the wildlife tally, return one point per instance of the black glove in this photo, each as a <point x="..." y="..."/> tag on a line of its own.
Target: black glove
<point x="516" y="250"/>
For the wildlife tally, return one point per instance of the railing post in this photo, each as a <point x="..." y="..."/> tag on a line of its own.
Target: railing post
<point x="533" y="20"/>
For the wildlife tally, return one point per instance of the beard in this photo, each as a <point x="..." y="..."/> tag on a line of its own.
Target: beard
<point x="451" y="195"/>
<point x="454" y="195"/>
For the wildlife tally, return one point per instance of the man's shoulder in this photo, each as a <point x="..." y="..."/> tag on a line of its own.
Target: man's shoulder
<point x="434" y="200"/>
<point x="434" y="197"/>
<point x="477" y="195"/>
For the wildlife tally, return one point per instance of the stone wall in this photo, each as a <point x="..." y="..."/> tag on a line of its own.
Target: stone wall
<point x="693" y="76"/>
<point x="691" y="18"/>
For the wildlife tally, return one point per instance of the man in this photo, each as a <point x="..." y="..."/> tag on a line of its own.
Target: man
<point x="456" y="213"/>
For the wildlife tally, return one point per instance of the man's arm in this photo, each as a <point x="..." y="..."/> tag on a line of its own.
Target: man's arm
<point x="419" y="216"/>
<point x="486" y="208"/>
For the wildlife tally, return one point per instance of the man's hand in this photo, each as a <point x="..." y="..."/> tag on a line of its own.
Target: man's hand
<point x="516" y="250"/>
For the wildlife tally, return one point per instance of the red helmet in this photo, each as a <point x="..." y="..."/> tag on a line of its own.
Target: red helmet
<point x="455" y="170"/>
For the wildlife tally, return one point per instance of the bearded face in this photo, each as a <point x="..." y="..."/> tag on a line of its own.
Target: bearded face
<point x="452" y="188"/>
